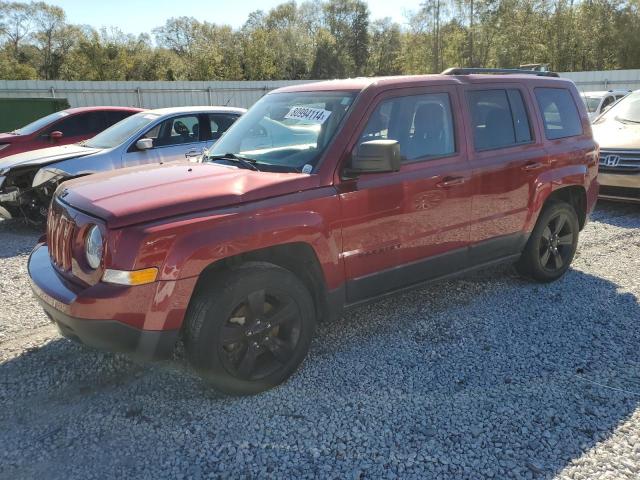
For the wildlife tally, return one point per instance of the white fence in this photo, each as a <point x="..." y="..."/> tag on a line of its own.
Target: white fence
<point x="605" y="79"/>
<point x="144" y="94"/>
<point x="238" y="94"/>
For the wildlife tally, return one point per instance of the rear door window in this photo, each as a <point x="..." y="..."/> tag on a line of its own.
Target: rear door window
<point x="84" y="124"/>
<point x="220" y="123"/>
<point x="499" y="118"/>
<point x="559" y="113"/>
<point x="115" y="116"/>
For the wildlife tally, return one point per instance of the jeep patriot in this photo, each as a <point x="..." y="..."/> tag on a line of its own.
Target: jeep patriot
<point x="322" y="196"/>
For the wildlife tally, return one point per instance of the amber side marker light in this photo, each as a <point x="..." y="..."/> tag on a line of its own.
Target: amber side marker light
<point x="136" y="277"/>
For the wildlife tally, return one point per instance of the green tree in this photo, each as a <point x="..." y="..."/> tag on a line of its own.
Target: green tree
<point x="348" y="23"/>
<point x="385" y="56"/>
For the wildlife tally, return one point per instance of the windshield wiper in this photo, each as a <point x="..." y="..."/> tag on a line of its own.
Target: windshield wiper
<point x="246" y="162"/>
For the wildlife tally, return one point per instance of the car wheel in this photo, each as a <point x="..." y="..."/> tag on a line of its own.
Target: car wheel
<point x="247" y="330"/>
<point x="552" y="244"/>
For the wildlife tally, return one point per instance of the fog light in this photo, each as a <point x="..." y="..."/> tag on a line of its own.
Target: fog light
<point x="135" y="277"/>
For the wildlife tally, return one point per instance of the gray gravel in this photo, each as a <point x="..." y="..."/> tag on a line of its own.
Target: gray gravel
<point x="483" y="377"/>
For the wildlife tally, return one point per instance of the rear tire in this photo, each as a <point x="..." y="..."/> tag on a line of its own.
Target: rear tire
<point x="250" y="328"/>
<point x="552" y="244"/>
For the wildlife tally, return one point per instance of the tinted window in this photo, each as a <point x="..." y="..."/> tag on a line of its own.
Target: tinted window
<point x="422" y="124"/>
<point x="84" y="124"/>
<point x="559" y="113"/>
<point x="499" y="118"/>
<point x="220" y="123"/>
<point x="607" y="102"/>
<point x="114" y="117"/>
<point x="122" y="131"/>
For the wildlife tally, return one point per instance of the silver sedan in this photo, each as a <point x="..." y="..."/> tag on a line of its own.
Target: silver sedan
<point x="27" y="180"/>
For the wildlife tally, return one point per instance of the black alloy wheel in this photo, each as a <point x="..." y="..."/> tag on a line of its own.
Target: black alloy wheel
<point x="250" y="327"/>
<point x="261" y="335"/>
<point x="556" y="243"/>
<point x="552" y="243"/>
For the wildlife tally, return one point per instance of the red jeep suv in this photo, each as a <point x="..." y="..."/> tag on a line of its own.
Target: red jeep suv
<point x="321" y="197"/>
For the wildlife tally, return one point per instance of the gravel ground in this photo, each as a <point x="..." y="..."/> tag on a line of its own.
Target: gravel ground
<point x="487" y="376"/>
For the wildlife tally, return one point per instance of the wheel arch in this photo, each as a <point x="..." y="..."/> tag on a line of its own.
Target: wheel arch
<point x="574" y="195"/>
<point x="298" y="257"/>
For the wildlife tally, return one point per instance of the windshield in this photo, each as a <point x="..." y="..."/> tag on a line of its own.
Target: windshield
<point x="121" y="131"/>
<point x="626" y="110"/>
<point x="286" y="130"/>
<point x="591" y="103"/>
<point x="40" y="123"/>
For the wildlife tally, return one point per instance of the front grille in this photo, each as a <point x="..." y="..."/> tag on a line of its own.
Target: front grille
<point x="60" y="230"/>
<point x="620" y="161"/>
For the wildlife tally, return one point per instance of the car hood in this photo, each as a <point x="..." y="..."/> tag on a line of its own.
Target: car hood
<point x="45" y="156"/>
<point x="143" y="194"/>
<point x="614" y="134"/>
<point x="10" y="137"/>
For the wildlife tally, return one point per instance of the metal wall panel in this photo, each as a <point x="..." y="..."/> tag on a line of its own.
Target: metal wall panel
<point x="145" y="94"/>
<point x="232" y="93"/>
<point x="605" y="79"/>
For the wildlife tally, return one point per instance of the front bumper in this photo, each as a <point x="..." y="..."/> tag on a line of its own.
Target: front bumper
<point x="619" y="186"/>
<point x="61" y="301"/>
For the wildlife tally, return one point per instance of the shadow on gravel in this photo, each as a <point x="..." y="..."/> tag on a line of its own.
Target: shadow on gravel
<point x="618" y="214"/>
<point x="17" y="238"/>
<point x="487" y="376"/>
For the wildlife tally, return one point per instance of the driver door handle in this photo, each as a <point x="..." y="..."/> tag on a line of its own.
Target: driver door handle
<point x="451" y="182"/>
<point x="528" y="167"/>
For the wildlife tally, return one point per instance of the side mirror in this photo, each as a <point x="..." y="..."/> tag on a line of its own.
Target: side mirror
<point x="56" y="135"/>
<point x="144" y="144"/>
<point x="376" y="156"/>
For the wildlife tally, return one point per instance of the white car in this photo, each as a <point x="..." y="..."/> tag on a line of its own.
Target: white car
<point x="27" y="180"/>
<point x="598" y="102"/>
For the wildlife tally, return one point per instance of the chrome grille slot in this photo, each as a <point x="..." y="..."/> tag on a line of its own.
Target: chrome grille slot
<point x="60" y="232"/>
<point x="620" y="160"/>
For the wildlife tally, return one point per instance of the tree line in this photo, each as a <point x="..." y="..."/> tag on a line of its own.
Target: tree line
<point x="325" y="39"/>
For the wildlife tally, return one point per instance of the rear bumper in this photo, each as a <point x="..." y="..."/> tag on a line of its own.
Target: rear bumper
<point x="100" y="316"/>
<point x="615" y="186"/>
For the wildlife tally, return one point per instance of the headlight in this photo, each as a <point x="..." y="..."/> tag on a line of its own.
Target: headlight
<point x="93" y="247"/>
<point x="45" y="175"/>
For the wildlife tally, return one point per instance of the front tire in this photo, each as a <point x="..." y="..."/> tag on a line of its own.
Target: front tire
<point x="552" y="244"/>
<point x="249" y="329"/>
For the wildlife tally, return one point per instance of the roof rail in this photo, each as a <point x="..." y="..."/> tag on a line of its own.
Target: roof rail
<point x="469" y="71"/>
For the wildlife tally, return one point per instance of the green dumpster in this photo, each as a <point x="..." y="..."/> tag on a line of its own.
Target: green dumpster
<point x="17" y="112"/>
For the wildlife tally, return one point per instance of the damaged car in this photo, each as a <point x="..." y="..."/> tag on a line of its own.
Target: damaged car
<point x="28" y="180"/>
<point x="62" y="128"/>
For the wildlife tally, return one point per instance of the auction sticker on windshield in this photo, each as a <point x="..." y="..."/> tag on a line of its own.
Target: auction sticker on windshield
<point x="307" y="114"/>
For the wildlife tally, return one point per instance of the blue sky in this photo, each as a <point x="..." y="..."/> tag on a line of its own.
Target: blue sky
<point x="137" y="16"/>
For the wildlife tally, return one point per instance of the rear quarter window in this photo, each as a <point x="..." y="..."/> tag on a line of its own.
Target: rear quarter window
<point x="559" y="113"/>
